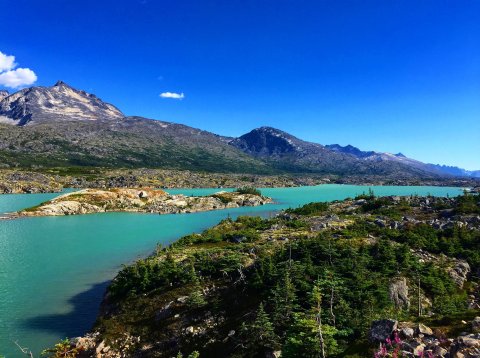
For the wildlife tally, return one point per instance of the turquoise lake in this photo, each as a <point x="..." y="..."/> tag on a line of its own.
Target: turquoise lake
<point x="54" y="270"/>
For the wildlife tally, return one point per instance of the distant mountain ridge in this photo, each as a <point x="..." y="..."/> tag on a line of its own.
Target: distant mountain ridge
<point x="399" y="157"/>
<point x="455" y="171"/>
<point x="284" y="151"/>
<point x="63" y="126"/>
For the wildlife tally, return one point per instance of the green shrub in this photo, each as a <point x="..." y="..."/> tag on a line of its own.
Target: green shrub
<point x="310" y="209"/>
<point x="249" y="190"/>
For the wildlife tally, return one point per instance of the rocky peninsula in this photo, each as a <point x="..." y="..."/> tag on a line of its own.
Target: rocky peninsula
<point x="89" y="201"/>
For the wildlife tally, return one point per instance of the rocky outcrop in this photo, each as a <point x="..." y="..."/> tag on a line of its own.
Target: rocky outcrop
<point x="457" y="269"/>
<point x="476" y="325"/>
<point x="422" y="341"/>
<point x="382" y="329"/>
<point x="91" y="346"/>
<point x="459" y="272"/>
<point x="398" y="292"/>
<point x="67" y="207"/>
<point x="467" y="346"/>
<point x="140" y="200"/>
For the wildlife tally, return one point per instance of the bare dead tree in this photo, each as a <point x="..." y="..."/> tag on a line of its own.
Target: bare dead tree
<point x="241" y="275"/>
<point x="225" y="274"/>
<point x="331" y="306"/>
<point x="330" y="249"/>
<point x="290" y="256"/>
<point x="24" y="350"/>
<point x="419" y="298"/>
<point x="318" y="319"/>
<point x="332" y="290"/>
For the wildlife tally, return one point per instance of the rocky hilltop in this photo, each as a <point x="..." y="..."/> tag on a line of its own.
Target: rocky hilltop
<point x="89" y="201"/>
<point x="345" y="278"/>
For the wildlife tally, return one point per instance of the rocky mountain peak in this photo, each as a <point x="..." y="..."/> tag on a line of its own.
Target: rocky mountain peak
<point x="271" y="131"/>
<point x="59" y="102"/>
<point x="266" y="141"/>
<point x="63" y="85"/>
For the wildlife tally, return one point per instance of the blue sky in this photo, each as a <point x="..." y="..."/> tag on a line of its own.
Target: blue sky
<point x="386" y="75"/>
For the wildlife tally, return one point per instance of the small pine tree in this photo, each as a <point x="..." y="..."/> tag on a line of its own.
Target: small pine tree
<point x="302" y="339"/>
<point x="260" y="333"/>
<point x="284" y="302"/>
<point x="371" y="193"/>
<point x="196" y="298"/>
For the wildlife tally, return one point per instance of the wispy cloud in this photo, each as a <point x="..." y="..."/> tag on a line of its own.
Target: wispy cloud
<point x="14" y="77"/>
<point x="172" y="95"/>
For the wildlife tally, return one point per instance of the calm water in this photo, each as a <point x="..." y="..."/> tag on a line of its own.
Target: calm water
<point x="54" y="270"/>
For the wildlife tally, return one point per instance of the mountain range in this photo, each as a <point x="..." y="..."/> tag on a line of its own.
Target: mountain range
<point x="63" y="126"/>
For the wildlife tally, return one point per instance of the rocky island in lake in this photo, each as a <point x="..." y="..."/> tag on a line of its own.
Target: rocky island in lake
<point x="89" y="201"/>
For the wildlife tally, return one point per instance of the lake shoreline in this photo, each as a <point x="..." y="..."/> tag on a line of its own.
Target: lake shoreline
<point x="53" y="251"/>
<point x="141" y="200"/>
<point x="20" y="181"/>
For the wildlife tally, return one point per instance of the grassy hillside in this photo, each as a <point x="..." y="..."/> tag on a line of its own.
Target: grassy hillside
<point x="128" y="143"/>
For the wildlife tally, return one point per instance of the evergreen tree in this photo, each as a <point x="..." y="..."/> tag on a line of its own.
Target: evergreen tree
<point x="261" y="335"/>
<point x="196" y="298"/>
<point x="332" y="286"/>
<point x="284" y="302"/>
<point x="302" y="339"/>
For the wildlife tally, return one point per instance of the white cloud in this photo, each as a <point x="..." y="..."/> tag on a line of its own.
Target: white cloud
<point x="172" y="95"/>
<point x="14" y="78"/>
<point x="6" y="62"/>
<point x="17" y="78"/>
